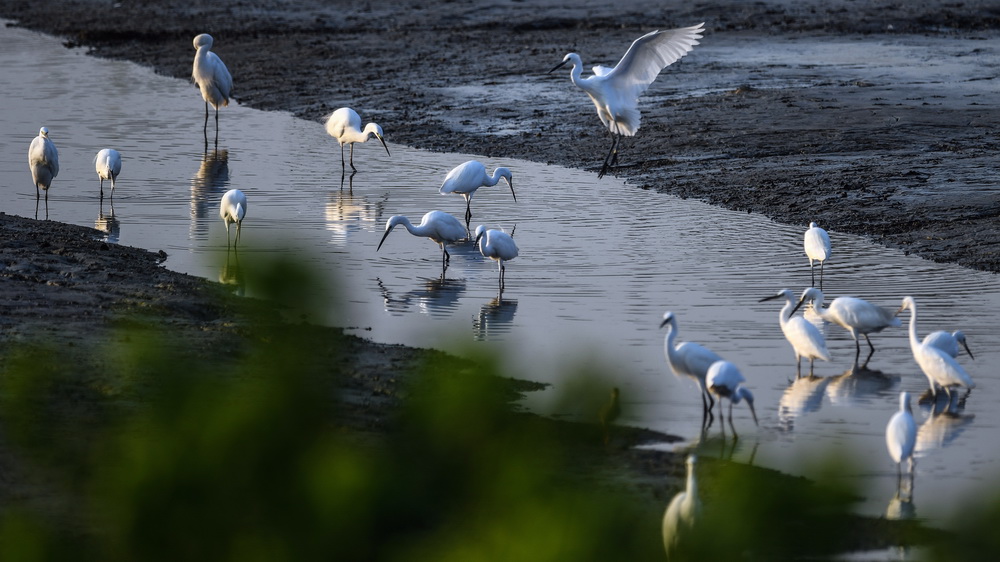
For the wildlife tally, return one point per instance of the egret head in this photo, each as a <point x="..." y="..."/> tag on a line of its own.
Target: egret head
<point x="508" y="177"/>
<point x="43" y="132"/>
<point x="204" y="40"/>
<point x="668" y="318"/>
<point x="959" y="336"/>
<point x="782" y="294"/>
<point x="480" y="230"/>
<point x="811" y="294"/>
<point x="908" y="304"/>
<point x="375" y="129"/>
<point x="570" y="57"/>
<point x="743" y="393"/>
<point x="389" y="225"/>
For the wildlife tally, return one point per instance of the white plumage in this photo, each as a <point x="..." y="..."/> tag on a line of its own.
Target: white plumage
<point x="345" y="126"/>
<point x="859" y="317"/>
<point x="948" y="342"/>
<point x="232" y="210"/>
<point x="817" y="246"/>
<point x="108" y="164"/>
<point x="211" y="76"/>
<point x="901" y="434"/>
<point x="682" y="511"/>
<point x="468" y="177"/>
<point x="496" y="245"/>
<point x="940" y="368"/>
<point x="439" y="226"/>
<point x="688" y="359"/>
<point x="805" y="337"/>
<point x="43" y="160"/>
<point x="725" y="380"/>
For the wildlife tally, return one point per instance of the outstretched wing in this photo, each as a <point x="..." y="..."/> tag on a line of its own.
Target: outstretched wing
<point x="650" y="54"/>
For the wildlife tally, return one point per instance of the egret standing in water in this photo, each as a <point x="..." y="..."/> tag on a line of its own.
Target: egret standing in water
<point x="817" y="246"/>
<point x="496" y="245"/>
<point x="805" y="337"/>
<point x="948" y="342"/>
<point x="43" y="159"/>
<point x="901" y="436"/>
<point x="466" y="178"/>
<point x="690" y="360"/>
<point x="725" y="380"/>
<point x="108" y="163"/>
<point x="682" y="512"/>
<point x="940" y="367"/>
<point x="615" y="91"/>
<point x="857" y="316"/>
<point x="212" y="78"/>
<point x="345" y="126"/>
<point x="232" y="210"/>
<point x="439" y="226"/>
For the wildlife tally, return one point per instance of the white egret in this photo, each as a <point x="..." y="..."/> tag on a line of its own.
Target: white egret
<point x="940" y="368"/>
<point x="805" y="337"/>
<point x="688" y="359"/>
<point x="857" y="316"/>
<point x="496" y="245"/>
<point x="232" y="210"/>
<point x="725" y="380"/>
<point x="901" y="436"/>
<point x="108" y="164"/>
<point x="43" y="159"/>
<point x="682" y="511"/>
<point x="467" y="177"/>
<point x="212" y="78"/>
<point x="439" y="226"/>
<point x="615" y="91"/>
<point x="345" y="126"/>
<point x="948" y="342"/>
<point x="817" y="245"/>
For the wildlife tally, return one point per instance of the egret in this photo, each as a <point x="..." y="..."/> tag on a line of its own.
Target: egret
<point x="439" y="226"/>
<point x="857" y="316"/>
<point x="817" y="245"/>
<point x="212" y="78"/>
<point x="232" y="210"/>
<point x="948" y="342"/>
<point x="901" y="436"/>
<point x="688" y="359"/>
<point x="725" y="380"/>
<point x="609" y="413"/>
<point x="43" y="159"/>
<point x="496" y="245"/>
<point x="345" y="126"/>
<point x="466" y="178"/>
<point x="682" y="512"/>
<point x="940" y="368"/>
<point x="615" y="91"/>
<point x="805" y="337"/>
<point x="108" y="163"/>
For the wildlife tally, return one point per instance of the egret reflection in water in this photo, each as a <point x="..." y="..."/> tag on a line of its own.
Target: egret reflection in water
<point x="944" y="423"/>
<point x="108" y="224"/>
<point x="436" y="297"/>
<point x="232" y="273"/>
<point x="803" y="395"/>
<point x="857" y="384"/>
<point x="207" y="186"/>
<point x="494" y="317"/>
<point x="348" y="214"/>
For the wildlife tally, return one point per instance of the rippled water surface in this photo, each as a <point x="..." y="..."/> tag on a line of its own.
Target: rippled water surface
<point x="600" y="262"/>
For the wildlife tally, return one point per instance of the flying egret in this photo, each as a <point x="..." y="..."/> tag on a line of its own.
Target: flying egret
<point x="805" y="337"/>
<point x="345" y="126"/>
<point x="901" y="436"/>
<point x="43" y="159"/>
<point x="725" y="380"/>
<point x="609" y="413"/>
<point x="817" y="245"/>
<point x="948" y="342"/>
<point x="615" y="91"/>
<point x="857" y="316"/>
<point x="496" y="245"/>
<point x="108" y="164"/>
<point x="232" y="210"/>
<point x="682" y="512"/>
<point x="688" y="359"/>
<point x="466" y="178"/>
<point x="940" y="368"/>
<point x="439" y="226"/>
<point x="212" y="78"/>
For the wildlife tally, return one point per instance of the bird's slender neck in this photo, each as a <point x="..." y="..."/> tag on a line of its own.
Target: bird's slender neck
<point x="668" y="342"/>
<point x="575" y="73"/>
<point x="914" y="342"/>
<point x="692" y="484"/>
<point x="495" y="178"/>
<point x="786" y="311"/>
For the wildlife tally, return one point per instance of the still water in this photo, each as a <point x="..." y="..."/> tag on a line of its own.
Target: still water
<point x="600" y="262"/>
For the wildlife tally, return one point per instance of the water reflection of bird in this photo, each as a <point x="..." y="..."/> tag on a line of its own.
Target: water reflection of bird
<point x="498" y="246"/>
<point x="436" y="297"/>
<point x="609" y="413"/>
<point x="108" y="164"/>
<point x="109" y="225"/>
<point x="344" y="125"/>
<point x="859" y="317"/>
<point x="948" y="342"/>
<point x="232" y="273"/>
<point x="857" y="383"/>
<point x="615" y="91"/>
<point x="438" y="226"/>
<point x="466" y="178"/>
<point x="212" y="78"/>
<point x="233" y="209"/>
<point x="901" y="507"/>
<point x="347" y="213"/>
<point x="901" y="437"/>
<point x="806" y="339"/>
<point x="803" y="395"/>
<point x="43" y="160"/>
<point x="940" y="367"/>
<point x="211" y="180"/>
<point x="682" y="511"/>
<point x="944" y="424"/>
<point x="497" y="313"/>
<point x="725" y="380"/>
<point x="817" y="245"/>
<point x="690" y="360"/>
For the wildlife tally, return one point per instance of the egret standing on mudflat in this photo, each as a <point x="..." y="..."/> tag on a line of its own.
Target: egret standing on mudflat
<point x="615" y="91"/>
<point x="466" y="178"/>
<point x="108" y="163"/>
<point x="212" y="78"/>
<point x="817" y="245"/>
<point x="688" y="359"/>
<point x="682" y="512"/>
<point x="232" y="210"/>
<point x="805" y="337"/>
<point x="496" y="245"/>
<point x="857" y="316"/>
<point x="345" y="126"/>
<point x="948" y="342"/>
<point x="43" y="159"/>
<point x="940" y="368"/>
<point x="725" y="380"/>
<point x="439" y="226"/>
<point x="901" y="436"/>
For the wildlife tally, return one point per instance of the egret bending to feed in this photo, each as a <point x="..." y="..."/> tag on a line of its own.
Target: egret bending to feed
<point x="212" y="78"/>
<point x="345" y="126"/>
<point x="108" y="164"/>
<point x="690" y="360"/>
<point x="817" y="245"/>
<point x="466" y="178"/>
<point x="857" y="316"/>
<point x="232" y="210"/>
<point x="43" y="159"/>
<point x="940" y="368"/>
<point x="805" y="337"/>
<point x="439" y="226"/>
<point x="901" y="436"/>
<point x="726" y="381"/>
<point x="496" y="245"/>
<point x="682" y="512"/>
<point x="948" y="342"/>
<point x="615" y="91"/>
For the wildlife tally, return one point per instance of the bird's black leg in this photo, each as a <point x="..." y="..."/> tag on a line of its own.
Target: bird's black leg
<point x="607" y="160"/>
<point x="812" y="274"/>
<point x="352" y="158"/>
<point x="343" y="164"/>
<point x="206" y="121"/>
<point x="468" y="213"/>
<point x="102" y="188"/>
<point x="821" y="275"/>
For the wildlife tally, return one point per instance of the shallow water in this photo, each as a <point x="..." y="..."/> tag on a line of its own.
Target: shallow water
<point x="600" y="262"/>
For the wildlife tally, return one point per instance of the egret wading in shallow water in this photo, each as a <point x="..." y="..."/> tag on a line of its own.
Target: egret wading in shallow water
<point x="439" y="226"/>
<point x="690" y="360"/>
<point x="940" y="368"/>
<point x="805" y="337"/>
<point x="817" y="246"/>
<point x="682" y="511"/>
<point x="466" y="178"/>
<point x="345" y="126"/>
<point x="948" y="342"/>
<point x="43" y="159"/>
<point x="725" y="380"/>
<point x="615" y="91"/>
<point x="108" y="164"/>
<point x="212" y="78"/>
<point x="232" y="210"/>
<point x="901" y="437"/>
<point x="496" y="245"/>
<point x="857" y="316"/>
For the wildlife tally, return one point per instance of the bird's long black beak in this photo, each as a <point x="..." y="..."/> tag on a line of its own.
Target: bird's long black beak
<point x="384" y="236"/>
<point x="511" y="184"/>
<point x="478" y="236"/>
<point x="770" y="298"/>
<point x="797" y="306"/>
<point x="753" y="413"/>
<point x="381" y="140"/>
<point x="967" y="350"/>
<point x="556" y="67"/>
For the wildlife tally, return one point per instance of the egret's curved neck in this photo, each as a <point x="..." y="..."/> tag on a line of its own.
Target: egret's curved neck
<point x="576" y="72"/>
<point x="786" y="311"/>
<point x="495" y="179"/>
<point x="668" y="342"/>
<point x="914" y="341"/>
<point x="692" y="484"/>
